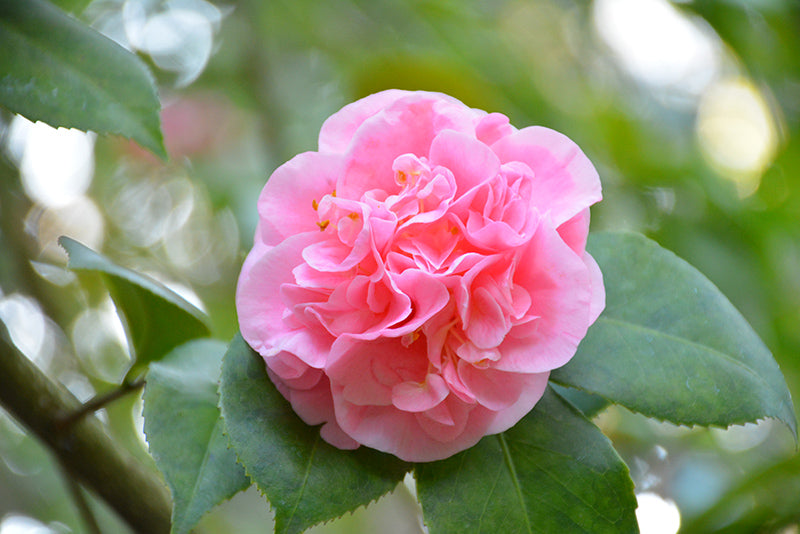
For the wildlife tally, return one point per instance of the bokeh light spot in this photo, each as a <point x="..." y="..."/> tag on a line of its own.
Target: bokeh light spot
<point x="657" y="515"/>
<point x="737" y="132"/>
<point x="56" y="164"/>
<point x="659" y="45"/>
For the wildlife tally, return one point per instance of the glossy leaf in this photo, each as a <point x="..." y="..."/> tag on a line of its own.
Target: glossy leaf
<point x="552" y="472"/>
<point x="57" y="70"/>
<point x="185" y="431"/>
<point x="588" y="403"/>
<point x="669" y="345"/>
<point x="306" y="480"/>
<point x="157" y="318"/>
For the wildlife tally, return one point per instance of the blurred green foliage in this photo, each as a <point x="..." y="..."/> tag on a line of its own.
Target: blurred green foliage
<point x="279" y="68"/>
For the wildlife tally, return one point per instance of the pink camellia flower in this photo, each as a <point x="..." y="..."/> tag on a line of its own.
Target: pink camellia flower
<point x="414" y="281"/>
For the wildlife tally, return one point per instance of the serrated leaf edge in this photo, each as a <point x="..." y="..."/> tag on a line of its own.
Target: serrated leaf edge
<point x="664" y="420"/>
<point x="272" y="508"/>
<point x="263" y="491"/>
<point x="160" y="149"/>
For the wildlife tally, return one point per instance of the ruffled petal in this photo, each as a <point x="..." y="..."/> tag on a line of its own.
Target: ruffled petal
<point x="565" y="181"/>
<point x="338" y="130"/>
<point x="559" y="284"/>
<point x="471" y="162"/>
<point x="261" y="311"/>
<point x="407" y="126"/>
<point x="412" y="396"/>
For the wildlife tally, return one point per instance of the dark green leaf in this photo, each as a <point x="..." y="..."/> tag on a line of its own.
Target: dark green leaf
<point x="306" y="480"/>
<point x="669" y="345"/>
<point x="157" y="318"/>
<point x="552" y="472"/>
<point x="57" y="70"/>
<point x="588" y="403"/>
<point x="185" y="432"/>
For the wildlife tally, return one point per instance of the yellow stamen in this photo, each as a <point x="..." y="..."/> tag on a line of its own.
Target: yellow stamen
<point x="314" y="204"/>
<point x="324" y="224"/>
<point x="353" y="215"/>
<point x="409" y="338"/>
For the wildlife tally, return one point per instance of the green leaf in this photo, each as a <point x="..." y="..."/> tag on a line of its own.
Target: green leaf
<point x="552" y="472"/>
<point x="306" y="480"/>
<point x="669" y="345"/>
<point x="62" y="72"/>
<point x="72" y="6"/>
<point x="157" y="319"/>
<point x="588" y="403"/>
<point x="185" y="432"/>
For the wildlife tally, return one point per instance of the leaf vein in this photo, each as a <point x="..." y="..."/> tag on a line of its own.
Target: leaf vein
<point x="203" y="464"/>
<point x="488" y="499"/>
<point x="514" y="479"/>
<point x="304" y="483"/>
<point x="731" y="359"/>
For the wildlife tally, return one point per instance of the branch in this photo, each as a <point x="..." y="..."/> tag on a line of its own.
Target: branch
<point x="84" y="448"/>
<point x="100" y="401"/>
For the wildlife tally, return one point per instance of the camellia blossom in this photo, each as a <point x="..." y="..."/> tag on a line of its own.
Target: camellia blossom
<point x="414" y="281"/>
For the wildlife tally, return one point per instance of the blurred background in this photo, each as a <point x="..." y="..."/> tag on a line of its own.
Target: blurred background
<point x="689" y="110"/>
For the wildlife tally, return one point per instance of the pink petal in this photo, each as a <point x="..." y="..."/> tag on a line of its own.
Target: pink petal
<point x="491" y="235"/>
<point x="492" y="127"/>
<point x="338" y="130"/>
<point x="314" y="405"/>
<point x="385" y="429"/>
<point x="261" y="309"/>
<point x="472" y="354"/>
<point x="333" y="434"/>
<point x="368" y="391"/>
<point x="471" y="162"/>
<point x="530" y="395"/>
<point x="342" y="317"/>
<point x="496" y="390"/>
<point x="407" y="126"/>
<point x="366" y="371"/>
<point x="419" y="396"/>
<point x="560" y="287"/>
<point x="565" y="181"/>
<point x="441" y="414"/>
<point x="293" y="371"/>
<point x="428" y="296"/>
<point x="297" y="183"/>
<point x="575" y="231"/>
<point x="451" y="430"/>
<point x="486" y="326"/>
<point x="598" y="289"/>
<point x="331" y="255"/>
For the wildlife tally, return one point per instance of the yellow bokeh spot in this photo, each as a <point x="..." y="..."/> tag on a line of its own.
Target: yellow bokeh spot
<point x="737" y="131"/>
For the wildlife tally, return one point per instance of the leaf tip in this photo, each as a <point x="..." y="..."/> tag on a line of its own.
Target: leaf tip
<point x="68" y="244"/>
<point x="156" y="145"/>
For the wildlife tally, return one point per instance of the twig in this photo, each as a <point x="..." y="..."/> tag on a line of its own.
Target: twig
<point x="100" y="401"/>
<point x="135" y="492"/>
